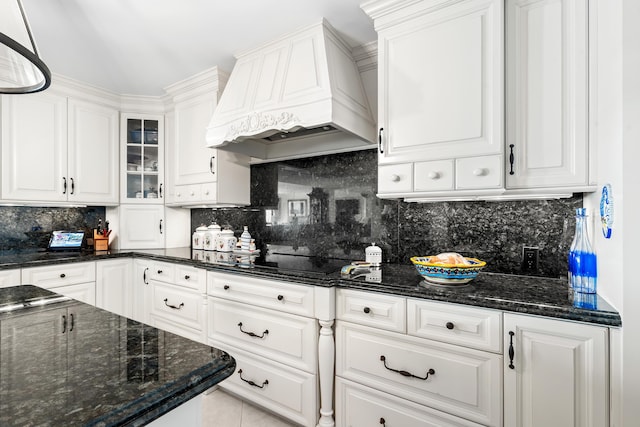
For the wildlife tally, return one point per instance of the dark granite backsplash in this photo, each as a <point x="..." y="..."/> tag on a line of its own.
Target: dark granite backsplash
<point x="326" y="206"/>
<point x="29" y="227"/>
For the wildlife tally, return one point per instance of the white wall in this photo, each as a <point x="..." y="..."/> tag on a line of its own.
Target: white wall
<point x="615" y="124"/>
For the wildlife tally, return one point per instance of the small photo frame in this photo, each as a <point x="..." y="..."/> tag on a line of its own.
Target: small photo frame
<point x="298" y="207"/>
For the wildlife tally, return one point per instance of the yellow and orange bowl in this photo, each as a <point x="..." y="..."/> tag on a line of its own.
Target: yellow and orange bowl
<point x="447" y="274"/>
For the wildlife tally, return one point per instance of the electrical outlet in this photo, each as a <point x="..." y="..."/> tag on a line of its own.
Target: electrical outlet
<point x="529" y="259"/>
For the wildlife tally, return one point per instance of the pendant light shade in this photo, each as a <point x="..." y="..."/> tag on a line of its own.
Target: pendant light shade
<point x="21" y="69"/>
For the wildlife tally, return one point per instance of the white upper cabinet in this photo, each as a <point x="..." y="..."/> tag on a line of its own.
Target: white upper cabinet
<point x="142" y="158"/>
<point x="440" y="79"/>
<point x="441" y="91"/>
<point x="59" y="149"/>
<point x="197" y="174"/>
<point x="547" y="87"/>
<point x="92" y="153"/>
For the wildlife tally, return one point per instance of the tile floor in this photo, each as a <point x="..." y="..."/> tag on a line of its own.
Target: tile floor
<point x="221" y="409"/>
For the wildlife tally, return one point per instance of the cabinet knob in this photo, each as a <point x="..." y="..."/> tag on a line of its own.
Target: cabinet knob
<point x="206" y="192"/>
<point x="395" y="178"/>
<point x="159" y="271"/>
<point x="192" y="193"/>
<point x="433" y="175"/>
<point x="62" y="275"/>
<point x="367" y="310"/>
<point x="187" y="277"/>
<point x="178" y="194"/>
<point x="449" y="325"/>
<point x="280" y="297"/>
<point x="480" y="172"/>
<point x="225" y="287"/>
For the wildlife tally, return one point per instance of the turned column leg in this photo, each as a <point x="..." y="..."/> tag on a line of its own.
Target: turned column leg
<point x="326" y="365"/>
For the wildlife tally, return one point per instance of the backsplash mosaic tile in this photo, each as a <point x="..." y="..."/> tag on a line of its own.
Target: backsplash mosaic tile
<point x="24" y="227"/>
<point x="326" y="206"/>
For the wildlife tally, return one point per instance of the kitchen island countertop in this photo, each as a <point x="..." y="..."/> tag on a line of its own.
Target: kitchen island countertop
<point x="511" y="293"/>
<point x="63" y="362"/>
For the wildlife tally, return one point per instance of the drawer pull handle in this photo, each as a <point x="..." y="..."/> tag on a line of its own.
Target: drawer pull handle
<point x="144" y="276"/>
<point x="449" y="325"/>
<point x="383" y="422"/>
<point x="511" y="159"/>
<point x="280" y="297"/>
<point x="178" y="307"/>
<point x="511" y="350"/>
<point x="72" y="322"/>
<point x="395" y="178"/>
<point x="62" y="275"/>
<point x="367" y="310"/>
<point x="225" y="287"/>
<point x="251" y="334"/>
<point x="64" y="323"/>
<point x="380" y="140"/>
<point x="405" y="373"/>
<point x="433" y="175"/>
<point x="264" y="383"/>
<point x="159" y="271"/>
<point x="480" y="172"/>
<point x="187" y="277"/>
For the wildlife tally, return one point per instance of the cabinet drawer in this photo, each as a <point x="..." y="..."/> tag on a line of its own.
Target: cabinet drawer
<point x="357" y="405"/>
<point x="59" y="274"/>
<point x="178" y="305"/>
<point x="455" y="324"/>
<point x="285" y="297"/>
<point x="286" y="391"/>
<point x="209" y="192"/>
<point x="162" y="271"/>
<point x="377" y="310"/>
<point x="191" y="278"/>
<point x="460" y="381"/>
<point x="10" y="278"/>
<point x="479" y="172"/>
<point x="395" y="178"/>
<point x="433" y="176"/>
<point x="281" y="337"/>
<point x="187" y="193"/>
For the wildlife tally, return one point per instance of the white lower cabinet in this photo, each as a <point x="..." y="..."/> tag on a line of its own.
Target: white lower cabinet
<point x="558" y="374"/>
<point x="177" y="299"/>
<point x="114" y="286"/>
<point x="281" y="342"/>
<point x="9" y="277"/>
<point x="434" y="373"/>
<point x="363" y="406"/>
<point x="76" y="280"/>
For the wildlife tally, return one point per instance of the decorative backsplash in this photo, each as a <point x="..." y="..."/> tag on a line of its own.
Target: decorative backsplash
<point x="326" y="206"/>
<point x="30" y="227"/>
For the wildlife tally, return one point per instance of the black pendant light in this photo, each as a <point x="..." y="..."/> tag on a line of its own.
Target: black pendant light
<point x="21" y="69"/>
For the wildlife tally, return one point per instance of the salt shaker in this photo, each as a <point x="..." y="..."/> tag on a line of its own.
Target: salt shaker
<point x="373" y="255"/>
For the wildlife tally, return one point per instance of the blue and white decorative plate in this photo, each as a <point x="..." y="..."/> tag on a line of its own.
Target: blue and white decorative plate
<point x="606" y="211"/>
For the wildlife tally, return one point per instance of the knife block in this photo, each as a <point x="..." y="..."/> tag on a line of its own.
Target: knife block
<point x="100" y="243"/>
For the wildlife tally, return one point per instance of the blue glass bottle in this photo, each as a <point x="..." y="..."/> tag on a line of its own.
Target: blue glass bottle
<point x="583" y="265"/>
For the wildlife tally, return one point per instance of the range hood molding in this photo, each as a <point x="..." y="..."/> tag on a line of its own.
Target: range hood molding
<point x="306" y="80"/>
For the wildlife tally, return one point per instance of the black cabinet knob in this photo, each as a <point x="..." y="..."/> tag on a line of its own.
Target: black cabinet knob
<point x="186" y="277"/>
<point x="225" y="287"/>
<point x="280" y="297"/>
<point x="62" y="275"/>
<point x="449" y="325"/>
<point x="367" y="310"/>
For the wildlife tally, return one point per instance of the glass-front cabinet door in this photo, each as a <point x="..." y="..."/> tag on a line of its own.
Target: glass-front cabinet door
<point x="142" y="158"/>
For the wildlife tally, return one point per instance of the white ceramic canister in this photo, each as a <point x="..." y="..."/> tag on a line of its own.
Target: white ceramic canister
<point x="197" y="240"/>
<point x="373" y="255"/>
<point x="211" y="237"/>
<point x="226" y="241"/>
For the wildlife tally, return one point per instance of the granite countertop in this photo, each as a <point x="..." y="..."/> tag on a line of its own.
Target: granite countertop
<point x="520" y="294"/>
<point x="68" y="363"/>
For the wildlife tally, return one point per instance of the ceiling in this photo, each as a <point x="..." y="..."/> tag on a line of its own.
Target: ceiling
<point x="139" y="47"/>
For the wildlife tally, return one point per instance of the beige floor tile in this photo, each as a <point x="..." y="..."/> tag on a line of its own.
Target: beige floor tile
<point x="219" y="409"/>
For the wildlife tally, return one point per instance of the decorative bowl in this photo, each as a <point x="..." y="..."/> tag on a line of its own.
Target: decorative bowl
<point x="447" y="274"/>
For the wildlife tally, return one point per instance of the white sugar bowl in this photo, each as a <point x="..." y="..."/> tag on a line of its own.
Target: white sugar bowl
<point x="373" y="255"/>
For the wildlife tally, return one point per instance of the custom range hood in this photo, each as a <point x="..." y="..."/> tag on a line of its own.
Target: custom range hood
<point x="296" y="96"/>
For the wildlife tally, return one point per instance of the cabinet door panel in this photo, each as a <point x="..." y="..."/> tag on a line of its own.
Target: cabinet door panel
<point x="93" y="153"/>
<point x="114" y="287"/>
<point x="547" y="108"/>
<point x="34" y="147"/>
<point x="441" y="87"/>
<point x="559" y="374"/>
<point x="142" y="227"/>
